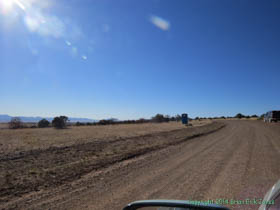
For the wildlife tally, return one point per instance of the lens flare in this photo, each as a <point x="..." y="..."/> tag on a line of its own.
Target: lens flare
<point x="6" y="5"/>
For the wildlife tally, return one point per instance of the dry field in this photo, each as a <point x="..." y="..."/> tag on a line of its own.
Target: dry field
<point x="252" y="118"/>
<point x="37" y="159"/>
<point x="6" y="125"/>
<point x="136" y="162"/>
<point x="3" y="125"/>
<point x="40" y="138"/>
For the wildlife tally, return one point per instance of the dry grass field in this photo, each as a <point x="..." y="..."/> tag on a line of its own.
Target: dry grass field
<point x="6" y="125"/>
<point x="252" y="118"/>
<point x="37" y="159"/>
<point x="40" y="138"/>
<point x="3" y="125"/>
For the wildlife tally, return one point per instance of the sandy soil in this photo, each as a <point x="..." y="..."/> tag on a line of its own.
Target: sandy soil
<point x="42" y="138"/>
<point x="27" y="171"/>
<point x="236" y="162"/>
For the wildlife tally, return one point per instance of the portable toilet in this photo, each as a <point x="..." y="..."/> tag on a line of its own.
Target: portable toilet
<point x="185" y="119"/>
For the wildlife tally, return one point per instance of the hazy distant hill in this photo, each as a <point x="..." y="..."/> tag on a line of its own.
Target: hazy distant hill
<point x="7" y="118"/>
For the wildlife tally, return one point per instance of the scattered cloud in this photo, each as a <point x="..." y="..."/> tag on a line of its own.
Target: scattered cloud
<point x="160" y="22"/>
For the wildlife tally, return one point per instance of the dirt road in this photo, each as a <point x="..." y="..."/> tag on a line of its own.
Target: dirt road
<point x="240" y="161"/>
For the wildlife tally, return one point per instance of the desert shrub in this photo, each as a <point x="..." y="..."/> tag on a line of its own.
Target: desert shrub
<point x="142" y="120"/>
<point x="261" y="117"/>
<point x="60" y="122"/>
<point x="15" y="123"/>
<point x="80" y="124"/>
<point x="159" y="118"/>
<point x="166" y="118"/>
<point x="103" y="122"/>
<point x="43" y="123"/>
<point x="239" y="115"/>
<point x="111" y="122"/>
<point x="178" y="117"/>
<point x="172" y="119"/>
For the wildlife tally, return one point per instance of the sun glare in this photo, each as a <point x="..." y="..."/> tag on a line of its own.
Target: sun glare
<point x="6" y="5"/>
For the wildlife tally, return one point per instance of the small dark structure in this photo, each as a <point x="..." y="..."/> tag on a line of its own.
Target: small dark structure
<point x="272" y="116"/>
<point x="185" y="119"/>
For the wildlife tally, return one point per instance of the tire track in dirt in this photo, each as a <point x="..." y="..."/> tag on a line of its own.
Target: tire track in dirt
<point x="142" y="147"/>
<point x="195" y="166"/>
<point x="243" y="141"/>
<point x="149" y="181"/>
<point x="142" y="183"/>
<point x="234" y="172"/>
<point x="261" y="172"/>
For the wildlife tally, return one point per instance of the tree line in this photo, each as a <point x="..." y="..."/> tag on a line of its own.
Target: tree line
<point x="159" y="118"/>
<point x="58" y="122"/>
<point x="61" y="122"/>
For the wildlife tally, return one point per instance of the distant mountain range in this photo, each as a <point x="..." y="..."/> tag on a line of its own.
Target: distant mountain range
<point x="7" y="118"/>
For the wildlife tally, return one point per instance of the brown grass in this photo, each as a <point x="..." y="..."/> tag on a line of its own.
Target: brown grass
<point x="252" y="118"/>
<point x="27" y="139"/>
<point x="4" y="125"/>
<point x="26" y="171"/>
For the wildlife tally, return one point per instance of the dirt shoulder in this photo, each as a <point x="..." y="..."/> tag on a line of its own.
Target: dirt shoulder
<point x="30" y="171"/>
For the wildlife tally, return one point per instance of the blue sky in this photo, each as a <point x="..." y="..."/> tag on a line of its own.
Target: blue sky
<point x="129" y="59"/>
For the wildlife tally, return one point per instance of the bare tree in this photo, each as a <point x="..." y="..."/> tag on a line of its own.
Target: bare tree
<point x="15" y="123"/>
